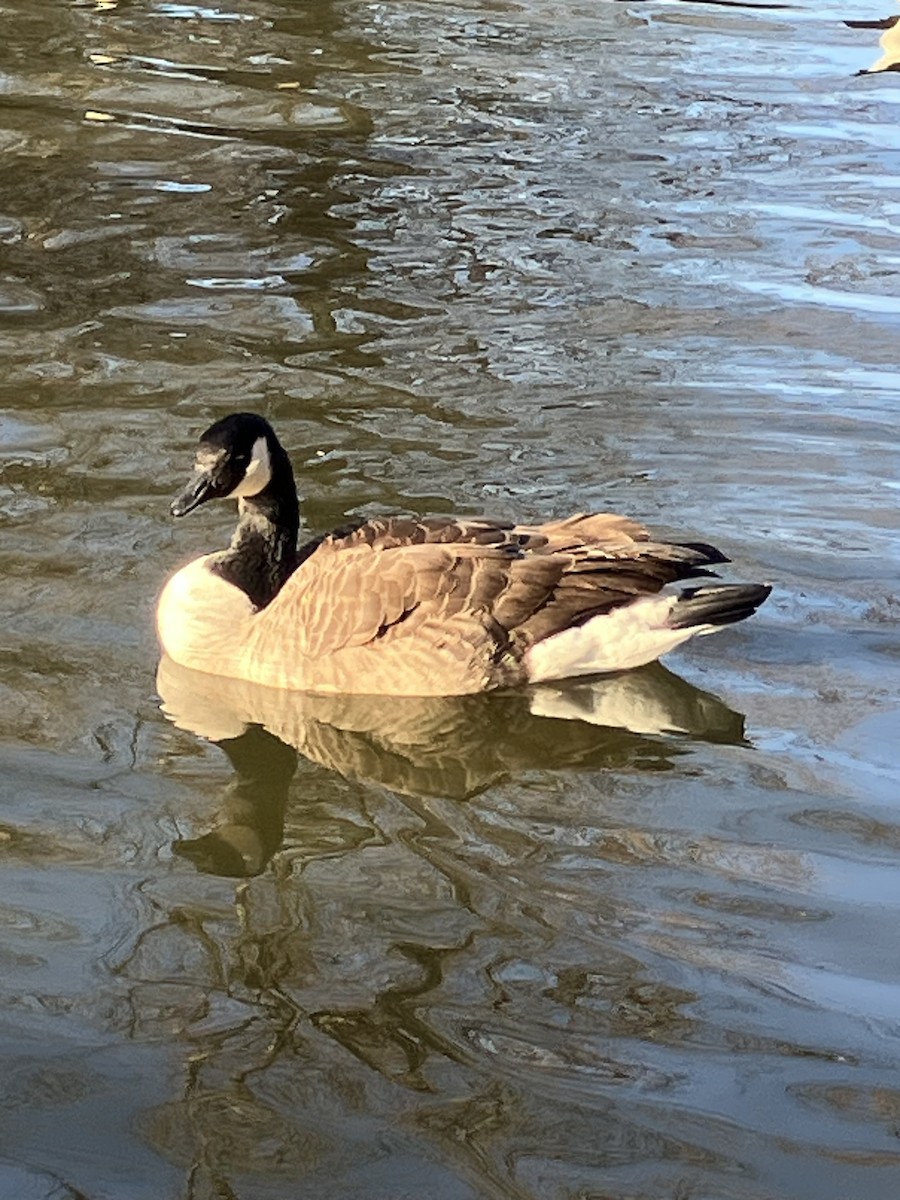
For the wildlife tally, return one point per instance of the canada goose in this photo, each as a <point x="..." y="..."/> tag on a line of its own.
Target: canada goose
<point x="430" y="607"/>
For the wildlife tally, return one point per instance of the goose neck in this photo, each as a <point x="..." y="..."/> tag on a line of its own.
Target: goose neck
<point x="263" y="550"/>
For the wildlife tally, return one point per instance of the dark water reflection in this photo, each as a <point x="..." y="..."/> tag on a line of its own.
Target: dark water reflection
<point x="452" y="748"/>
<point x="511" y="257"/>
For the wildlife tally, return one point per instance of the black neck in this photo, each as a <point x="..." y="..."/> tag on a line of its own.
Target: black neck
<point x="263" y="550"/>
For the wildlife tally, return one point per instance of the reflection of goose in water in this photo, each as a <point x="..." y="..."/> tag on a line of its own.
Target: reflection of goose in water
<point x="433" y="746"/>
<point x="432" y="607"/>
<point x="889" y="43"/>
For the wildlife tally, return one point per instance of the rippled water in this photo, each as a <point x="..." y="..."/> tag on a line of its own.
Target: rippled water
<point x="519" y="257"/>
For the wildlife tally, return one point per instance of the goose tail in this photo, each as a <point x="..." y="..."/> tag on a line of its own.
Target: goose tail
<point x="640" y="632"/>
<point x="718" y="604"/>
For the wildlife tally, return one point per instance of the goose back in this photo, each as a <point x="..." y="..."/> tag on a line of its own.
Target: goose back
<point x="437" y="607"/>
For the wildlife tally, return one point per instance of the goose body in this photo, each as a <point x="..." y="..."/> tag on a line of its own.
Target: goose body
<point x="422" y="607"/>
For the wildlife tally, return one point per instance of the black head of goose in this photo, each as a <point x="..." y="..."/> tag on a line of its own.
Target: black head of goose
<point x="422" y="607"/>
<point x="241" y="458"/>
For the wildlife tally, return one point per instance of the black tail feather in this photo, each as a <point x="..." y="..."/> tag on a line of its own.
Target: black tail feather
<point x="710" y="553"/>
<point x="718" y="604"/>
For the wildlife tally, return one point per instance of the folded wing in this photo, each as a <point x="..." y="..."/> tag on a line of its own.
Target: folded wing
<point x="441" y="607"/>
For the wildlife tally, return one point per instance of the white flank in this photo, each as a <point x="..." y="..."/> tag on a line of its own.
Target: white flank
<point x="258" y="473"/>
<point x="628" y="637"/>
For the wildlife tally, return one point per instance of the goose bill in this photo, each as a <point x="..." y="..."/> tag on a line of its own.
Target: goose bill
<point x="199" y="490"/>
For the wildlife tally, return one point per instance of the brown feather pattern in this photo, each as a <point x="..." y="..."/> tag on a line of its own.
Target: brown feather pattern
<point x="448" y="606"/>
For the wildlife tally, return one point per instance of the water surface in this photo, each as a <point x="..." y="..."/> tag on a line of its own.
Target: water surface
<point x="511" y="257"/>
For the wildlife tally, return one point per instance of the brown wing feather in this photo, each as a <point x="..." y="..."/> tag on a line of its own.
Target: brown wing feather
<point x="354" y="595"/>
<point x="399" y="599"/>
<point x="602" y="530"/>
<point x="391" y="533"/>
<point x="606" y="530"/>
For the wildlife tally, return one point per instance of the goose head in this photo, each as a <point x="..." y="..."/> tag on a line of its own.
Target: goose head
<point x="240" y="458"/>
<point x="237" y="458"/>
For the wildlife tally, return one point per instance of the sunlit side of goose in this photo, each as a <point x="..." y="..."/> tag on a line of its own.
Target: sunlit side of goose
<point x="406" y="607"/>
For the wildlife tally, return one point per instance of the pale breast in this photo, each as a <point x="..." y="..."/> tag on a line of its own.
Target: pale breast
<point x="202" y="621"/>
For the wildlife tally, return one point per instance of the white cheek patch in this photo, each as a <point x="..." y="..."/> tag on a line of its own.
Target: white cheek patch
<point x="258" y="473"/>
